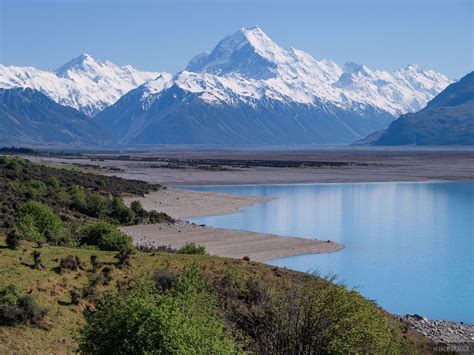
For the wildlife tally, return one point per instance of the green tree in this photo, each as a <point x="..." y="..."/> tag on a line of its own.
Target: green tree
<point x="120" y="212"/>
<point x="37" y="222"/>
<point x="182" y="320"/>
<point x="78" y="199"/>
<point x="104" y="235"/>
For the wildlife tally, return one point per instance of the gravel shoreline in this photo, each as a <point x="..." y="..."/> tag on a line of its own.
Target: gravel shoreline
<point x="449" y="336"/>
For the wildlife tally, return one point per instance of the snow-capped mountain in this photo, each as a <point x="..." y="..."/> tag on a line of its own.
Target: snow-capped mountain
<point x="249" y="90"/>
<point x="84" y="83"/>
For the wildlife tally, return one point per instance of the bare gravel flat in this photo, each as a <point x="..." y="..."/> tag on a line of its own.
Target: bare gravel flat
<point x="228" y="243"/>
<point x="186" y="203"/>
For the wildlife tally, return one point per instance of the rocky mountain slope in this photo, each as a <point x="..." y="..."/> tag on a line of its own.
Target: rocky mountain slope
<point x="30" y="118"/>
<point x="447" y="119"/>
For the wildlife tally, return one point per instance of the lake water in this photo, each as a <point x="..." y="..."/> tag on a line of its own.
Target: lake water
<point x="409" y="246"/>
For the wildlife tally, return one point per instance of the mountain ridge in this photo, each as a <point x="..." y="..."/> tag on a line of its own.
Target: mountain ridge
<point x="30" y="118"/>
<point x="84" y="83"/>
<point x="447" y="119"/>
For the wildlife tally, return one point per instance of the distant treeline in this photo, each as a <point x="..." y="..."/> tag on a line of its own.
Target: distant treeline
<point x="17" y="150"/>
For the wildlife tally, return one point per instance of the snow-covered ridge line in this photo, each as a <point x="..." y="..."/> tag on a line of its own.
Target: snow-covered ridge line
<point x="245" y="66"/>
<point x="84" y="83"/>
<point x="252" y="59"/>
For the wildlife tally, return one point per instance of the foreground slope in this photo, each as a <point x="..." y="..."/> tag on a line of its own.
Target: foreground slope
<point x="249" y="90"/>
<point x="447" y="119"/>
<point x="28" y="117"/>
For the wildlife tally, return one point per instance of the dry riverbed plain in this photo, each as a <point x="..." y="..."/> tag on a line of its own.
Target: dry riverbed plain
<point x="175" y="167"/>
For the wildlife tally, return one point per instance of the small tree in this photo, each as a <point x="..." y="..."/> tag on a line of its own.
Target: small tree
<point x="121" y="212"/>
<point x="38" y="223"/>
<point x="37" y="259"/>
<point x="137" y="208"/>
<point x="13" y="239"/>
<point x="94" y="262"/>
<point x="123" y="258"/>
<point x="75" y="296"/>
<point x="104" y="235"/>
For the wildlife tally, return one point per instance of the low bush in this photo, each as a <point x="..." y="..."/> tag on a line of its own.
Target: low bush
<point x="164" y="279"/>
<point x="75" y="296"/>
<point x="148" y="248"/>
<point x="123" y="258"/>
<point x="142" y="216"/>
<point x="192" y="248"/>
<point x="16" y="309"/>
<point x="35" y="188"/>
<point x="70" y="262"/>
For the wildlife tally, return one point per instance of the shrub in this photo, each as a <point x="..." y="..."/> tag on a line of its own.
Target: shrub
<point x="96" y="205"/>
<point x="15" y="309"/>
<point x="157" y="217"/>
<point x="38" y="223"/>
<point x="120" y="212"/>
<point x="94" y="262"/>
<point x="313" y="316"/>
<point x="164" y="279"/>
<point x="147" y="248"/>
<point x="54" y="182"/>
<point x="78" y="199"/>
<point x="123" y="257"/>
<point x="13" y="239"/>
<point x="192" y="248"/>
<point x="70" y="262"/>
<point x="14" y="165"/>
<point x="104" y="235"/>
<point x="75" y="296"/>
<point x="35" y="188"/>
<point x="37" y="264"/>
<point x="137" y="208"/>
<point x="141" y="320"/>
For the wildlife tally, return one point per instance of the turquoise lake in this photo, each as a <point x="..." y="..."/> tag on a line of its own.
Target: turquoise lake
<point x="408" y="246"/>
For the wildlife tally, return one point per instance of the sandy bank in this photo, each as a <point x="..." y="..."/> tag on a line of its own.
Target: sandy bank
<point x="228" y="243"/>
<point x="186" y="203"/>
<point x="222" y="242"/>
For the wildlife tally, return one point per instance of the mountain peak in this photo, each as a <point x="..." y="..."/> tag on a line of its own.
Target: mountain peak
<point x="414" y="68"/>
<point x="248" y="52"/>
<point x="353" y="68"/>
<point x="80" y="62"/>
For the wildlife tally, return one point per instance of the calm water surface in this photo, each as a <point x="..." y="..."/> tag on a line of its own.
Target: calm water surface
<point x="409" y="246"/>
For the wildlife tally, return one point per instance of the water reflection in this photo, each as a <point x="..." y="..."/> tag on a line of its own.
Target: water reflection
<point x="408" y="245"/>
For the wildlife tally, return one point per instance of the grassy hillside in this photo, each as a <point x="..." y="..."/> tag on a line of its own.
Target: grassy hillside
<point x="232" y="305"/>
<point x="52" y="290"/>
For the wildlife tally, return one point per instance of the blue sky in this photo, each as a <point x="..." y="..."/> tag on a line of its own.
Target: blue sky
<point x="165" y="35"/>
